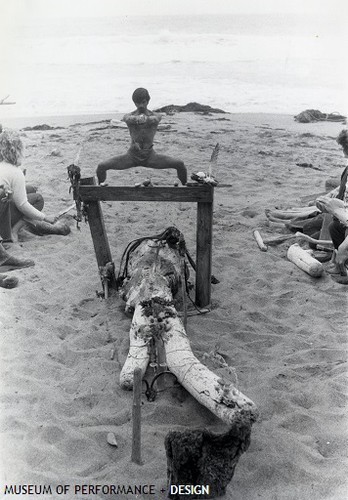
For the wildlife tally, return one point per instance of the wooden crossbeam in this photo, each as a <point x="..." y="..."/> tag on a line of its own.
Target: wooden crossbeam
<point x="163" y="193"/>
<point x="203" y="195"/>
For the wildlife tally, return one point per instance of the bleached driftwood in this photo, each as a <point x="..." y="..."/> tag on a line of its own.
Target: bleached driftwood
<point x="217" y="394"/>
<point x="263" y="243"/>
<point x="153" y="276"/>
<point x="153" y="272"/>
<point x="291" y="213"/>
<point x="259" y="241"/>
<point x="304" y="261"/>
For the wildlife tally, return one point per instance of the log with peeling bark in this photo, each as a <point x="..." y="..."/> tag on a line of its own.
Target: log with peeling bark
<point x="152" y="278"/>
<point x="304" y="261"/>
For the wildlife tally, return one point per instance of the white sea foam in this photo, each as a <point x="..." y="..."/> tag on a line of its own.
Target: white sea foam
<point x="238" y="64"/>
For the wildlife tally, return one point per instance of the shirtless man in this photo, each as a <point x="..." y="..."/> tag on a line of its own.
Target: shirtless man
<point x="142" y="124"/>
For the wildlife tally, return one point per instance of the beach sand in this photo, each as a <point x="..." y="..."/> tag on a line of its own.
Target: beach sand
<point x="283" y="332"/>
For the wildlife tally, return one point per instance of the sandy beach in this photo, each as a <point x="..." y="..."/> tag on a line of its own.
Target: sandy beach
<point x="283" y="332"/>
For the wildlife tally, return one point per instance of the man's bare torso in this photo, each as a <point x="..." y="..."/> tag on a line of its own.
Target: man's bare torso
<point x="142" y="128"/>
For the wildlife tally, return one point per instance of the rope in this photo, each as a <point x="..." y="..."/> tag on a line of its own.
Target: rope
<point x="171" y="234"/>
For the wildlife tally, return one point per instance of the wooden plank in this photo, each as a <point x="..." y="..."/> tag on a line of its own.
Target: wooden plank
<point x="204" y="253"/>
<point x="97" y="228"/>
<point x="130" y="193"/>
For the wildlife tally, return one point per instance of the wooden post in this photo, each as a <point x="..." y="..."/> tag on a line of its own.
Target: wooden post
<point x="97" y="228"/>
<point x="204" y="252"/>
<point x="136" y="439"/>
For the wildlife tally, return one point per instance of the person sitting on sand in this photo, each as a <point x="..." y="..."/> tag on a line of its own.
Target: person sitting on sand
<point x="338" y="207"/>
<point x="313" y="226"/>
<point x="18" y="203"/>
<point x="142" y="124"/>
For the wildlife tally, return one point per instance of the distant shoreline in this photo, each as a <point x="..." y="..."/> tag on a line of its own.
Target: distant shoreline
<point x="56" y="120"/>
<point x="68" y="120"/>
<point x="281" y="120"/>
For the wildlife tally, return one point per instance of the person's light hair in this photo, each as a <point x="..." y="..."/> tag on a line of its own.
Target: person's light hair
<point x="11" y="147"/>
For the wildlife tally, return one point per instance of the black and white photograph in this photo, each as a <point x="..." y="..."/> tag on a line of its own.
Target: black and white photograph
<point x="173" y="249"/>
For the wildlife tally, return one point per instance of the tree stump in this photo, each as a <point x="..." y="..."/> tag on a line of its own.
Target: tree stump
<point x="199" y="457"/>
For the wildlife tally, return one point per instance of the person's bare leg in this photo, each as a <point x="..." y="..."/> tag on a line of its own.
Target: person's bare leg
<point x="160" y="162"/>
<point x="122" y="162"/>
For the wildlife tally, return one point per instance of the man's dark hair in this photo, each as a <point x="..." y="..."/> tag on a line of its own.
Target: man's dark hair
<point x="140" y="94"/>
<point x="342" y="140"/>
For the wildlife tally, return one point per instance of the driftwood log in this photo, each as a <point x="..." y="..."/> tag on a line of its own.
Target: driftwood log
<point x="263" y="243"/>
<point x="291" y="213"/>
<point x="259" y="241"/>
<point x="152" y="277"/>
<point x="304" y="261"/>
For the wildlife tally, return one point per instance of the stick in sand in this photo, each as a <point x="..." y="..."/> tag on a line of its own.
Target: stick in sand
<point x="77" y="157"/>
<point x="260" y="241"/>
<point x="312" y="240"/>
<point x="183" y="290"/>
<point x="213" y="158"/>
<point x="65" y="211"/>
<point x="2" y="101"/>
<point x="136" y="439"/>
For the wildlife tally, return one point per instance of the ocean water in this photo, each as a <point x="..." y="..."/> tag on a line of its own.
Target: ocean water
<point x="241" y="63"/>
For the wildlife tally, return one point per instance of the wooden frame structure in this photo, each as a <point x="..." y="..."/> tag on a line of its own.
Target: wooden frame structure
<point x="203" y="195"/>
